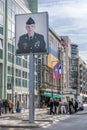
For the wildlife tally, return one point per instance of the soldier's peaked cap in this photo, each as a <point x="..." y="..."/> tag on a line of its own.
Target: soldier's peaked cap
<point x="30" y="21"/>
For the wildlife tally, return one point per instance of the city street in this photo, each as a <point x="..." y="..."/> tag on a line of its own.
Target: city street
<point x="49" y="122"/>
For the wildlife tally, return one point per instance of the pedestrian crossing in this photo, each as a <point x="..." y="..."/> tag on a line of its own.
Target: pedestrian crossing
<point x="52" y="119"/>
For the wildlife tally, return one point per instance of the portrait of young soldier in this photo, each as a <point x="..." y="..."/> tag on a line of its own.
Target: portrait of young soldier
<point x="31" y="41"/>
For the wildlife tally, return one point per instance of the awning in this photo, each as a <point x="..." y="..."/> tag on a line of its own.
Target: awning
<point x="51" y="95"/>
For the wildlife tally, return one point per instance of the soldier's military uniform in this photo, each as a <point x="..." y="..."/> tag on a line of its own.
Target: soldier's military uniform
<point x="36" y="44"/>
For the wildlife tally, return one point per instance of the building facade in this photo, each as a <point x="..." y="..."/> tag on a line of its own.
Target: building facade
<point x="74" y="67"/>
<point x="14" y="70"/>
<point x="82" y="76"/>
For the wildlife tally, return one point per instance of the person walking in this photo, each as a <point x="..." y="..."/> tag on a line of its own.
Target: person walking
<point x="51" y="106"/>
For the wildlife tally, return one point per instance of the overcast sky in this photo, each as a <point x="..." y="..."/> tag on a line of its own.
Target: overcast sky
<point x="68" y="18"/>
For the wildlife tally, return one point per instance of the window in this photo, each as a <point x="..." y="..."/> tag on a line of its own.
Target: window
<point x="1" y="30"/>
<point x="18" y="82"/>
<point x="24" y="83"/>
<point x="13" y="28"/>
<point x="1" y="54"/>
<point x="18" y="61"/>
<point x="1" y="44"/>
<point x="9" y="70"/>
<point x="9" y="13"/>
<point x="18" y="73"/>
<point x="9" y="79"/>
<point x="9" y="57"/>
<point x="1" y="6"/>
<point x="24" y="75"/>
<point x="9" y="34"/>
<point x="24" y="63"/>
<point x="9" y="47"/>
<point x="1" y="20"/>
<point x="9" y="24"/>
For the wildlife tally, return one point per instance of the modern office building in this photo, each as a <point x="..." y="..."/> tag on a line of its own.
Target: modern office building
<point x="74" y="67"/>
<point x="82" y="77"/>
<point x="14" y="70"/>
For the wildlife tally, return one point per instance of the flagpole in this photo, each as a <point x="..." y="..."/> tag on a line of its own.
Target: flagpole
<point x="61" y="62"/>
<point x="52" y="75"/>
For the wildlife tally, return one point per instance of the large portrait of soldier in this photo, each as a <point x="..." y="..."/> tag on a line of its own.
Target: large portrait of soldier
<point x="34" y="38"/>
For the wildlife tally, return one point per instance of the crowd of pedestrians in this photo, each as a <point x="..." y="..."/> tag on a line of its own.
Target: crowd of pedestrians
<point x="5" y="106"/>
<point x="63" y="107"/>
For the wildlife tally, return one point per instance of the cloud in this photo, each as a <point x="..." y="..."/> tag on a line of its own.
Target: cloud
<point x="68" y="17"/>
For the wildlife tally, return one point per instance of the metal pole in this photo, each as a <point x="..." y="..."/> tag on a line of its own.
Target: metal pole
<point x="52" y="78"/>
<point x="13" y="71"/>
<point x="4" y="88"/>
<point x="31" y="88"/>
<point x="62" y="75"/>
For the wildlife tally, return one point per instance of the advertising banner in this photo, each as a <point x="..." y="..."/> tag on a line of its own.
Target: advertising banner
<point x="31" y="33"/>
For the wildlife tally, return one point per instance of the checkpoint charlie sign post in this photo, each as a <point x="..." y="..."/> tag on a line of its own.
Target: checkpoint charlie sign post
<point x="31" y="33"/>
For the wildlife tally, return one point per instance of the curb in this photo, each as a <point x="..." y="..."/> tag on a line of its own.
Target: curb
<point x="41" y="120"/>
<point x="82" y="113"/>
<point x="20" y="126"/>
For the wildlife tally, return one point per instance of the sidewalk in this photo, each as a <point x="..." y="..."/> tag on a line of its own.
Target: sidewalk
<point x="22" y="123"/>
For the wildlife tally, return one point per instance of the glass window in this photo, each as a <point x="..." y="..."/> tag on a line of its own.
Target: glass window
<point x="16" y="8"/>
<point x="13" y="35"/>
<point x="9" y="57"/>
<point x="9" y="70"/>
<point x="18" y="82"/>
<point x="13" y="16"/>
<point x="1" y="6"/>
<point x="9" y="24"/>
<point x="24" y="83"/>
<point x="1" y="19"/>
<point x="9" y="47"/>
<point x="13" y="5"/>
<point x="9" y="35"/>
<point x="10" y="3"/>
<point x="18" y="73"/>
<point x="1" y="46"/>
<point x="24" y="63"/>
<point x="24" y="74"/>
<point x="1" y="54"/>
<point x="18" y="61"/>
<point x="1" y="30"/>
<point x="9" y="12"/>
<point x="9" y="79"/>
<point x="13" y="28"/>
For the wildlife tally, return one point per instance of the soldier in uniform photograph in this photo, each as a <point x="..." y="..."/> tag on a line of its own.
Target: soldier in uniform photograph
<point x="31" y="41"/>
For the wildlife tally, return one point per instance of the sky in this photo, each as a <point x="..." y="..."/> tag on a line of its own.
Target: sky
<point x="68" y="18"/>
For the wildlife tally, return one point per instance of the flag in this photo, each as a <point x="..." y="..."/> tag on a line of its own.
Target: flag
<point x="57" y="72"/>
<point x="63" y="42"/>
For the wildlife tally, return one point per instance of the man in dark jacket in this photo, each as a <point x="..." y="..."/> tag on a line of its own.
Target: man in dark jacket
<point x="31" y="41"/>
